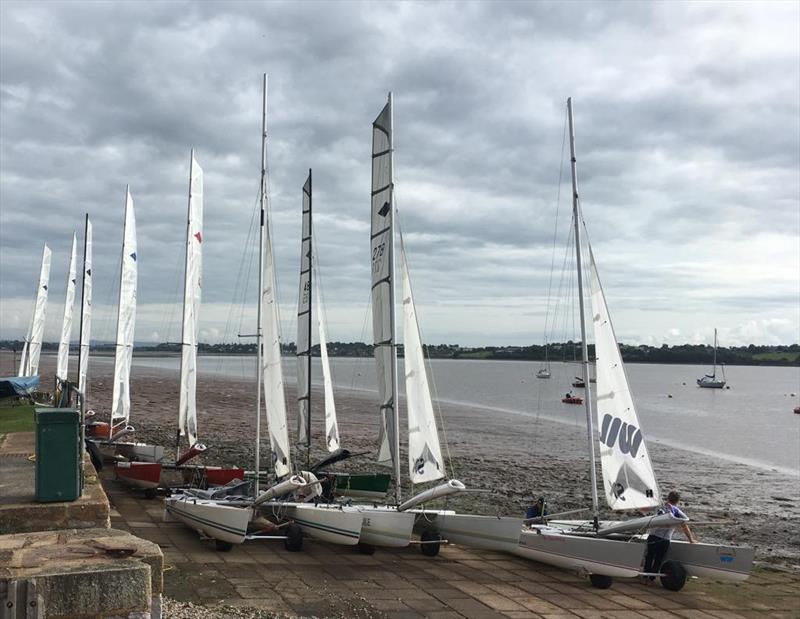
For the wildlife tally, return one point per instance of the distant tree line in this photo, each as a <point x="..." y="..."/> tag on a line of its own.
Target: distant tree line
<point x="565" y="351"/>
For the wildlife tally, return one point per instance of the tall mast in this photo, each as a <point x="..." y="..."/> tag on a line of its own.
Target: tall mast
<point x="261" y="275"/>
<point x="395" y="400"/>
<point x="714" y="371"/>
<point x="183" y="320"/>
<point x="310" y="310"/>
<point x="83" y="299"/>
<point x="304" y="310"/>
<point x="584" y="346"/>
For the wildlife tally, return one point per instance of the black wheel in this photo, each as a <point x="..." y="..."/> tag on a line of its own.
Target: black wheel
<point x="599" y="581"/>
<point x="150" y="493"/>
<point x="673" y="575"/>
<point x="294" y="538"/>
<point x="95" y="456"/>
<point x="432" y="545"/>
<point x="366" y="549"/>
<point x="223" y="546"/>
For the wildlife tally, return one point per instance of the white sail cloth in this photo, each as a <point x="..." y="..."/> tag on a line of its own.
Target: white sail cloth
<point x="331" y="426"/>
<point x="126" y="319"/>
<point x="304" y="324"/>
<point x="192" y="288"/>
<point x="62" y="364"/>
<point x="382" y="246"/>
<point x="29" y="363"/>
<point x="424" y="451"/>
<point x="86" y="311"/>
<point x="628" y="478"/>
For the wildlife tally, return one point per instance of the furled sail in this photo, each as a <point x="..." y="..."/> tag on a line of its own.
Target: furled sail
<point x="331" y="427"/>
<point x="66" y="326"/>
<point x="86" y="310"/>
<point x="382" y="246"/>
<point x="126" y="319"/>
<point x="192" y="287"/>
<point x="304" y="324"/>
<point x="29" y="363"/>
<point x="424" y="451"/>
<point x="628" y="477"/>
<point x="271" y="370"/>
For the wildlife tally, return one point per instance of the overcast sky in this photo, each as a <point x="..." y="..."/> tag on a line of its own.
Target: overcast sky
<point x="688" y="136"/>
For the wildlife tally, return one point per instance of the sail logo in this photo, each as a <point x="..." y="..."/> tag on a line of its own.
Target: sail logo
<point x="614" y="431"/>
<point x="427" y="456"/>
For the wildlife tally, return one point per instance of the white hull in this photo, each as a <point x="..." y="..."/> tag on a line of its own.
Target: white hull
<point x="719" y="562"/>
<point x="210" y="518"/>
<point x="336" y="524"/>
<point x="141" y="452"/>
<point x="385" y="526"/>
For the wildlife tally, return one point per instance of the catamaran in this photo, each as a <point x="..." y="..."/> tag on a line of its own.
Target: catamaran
<point x="62" y="363"/>
<point x="32" y="348"/>
<point x="710" y="381"/>
<point x="602" y="550"/>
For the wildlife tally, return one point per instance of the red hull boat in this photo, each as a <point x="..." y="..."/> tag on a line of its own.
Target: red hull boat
<point x="145" y="475"/>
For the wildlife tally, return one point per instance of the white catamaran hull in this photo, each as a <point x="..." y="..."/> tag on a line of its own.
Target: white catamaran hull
<point x="385" y="526"/>
<point x="211" y="518"/>
<point x="719" y="562"/>
<point x="336" y="524"/>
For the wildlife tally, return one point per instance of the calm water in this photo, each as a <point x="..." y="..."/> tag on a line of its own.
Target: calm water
<point x="752" y="422"/>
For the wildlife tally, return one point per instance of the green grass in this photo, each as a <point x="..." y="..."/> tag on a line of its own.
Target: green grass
<point x="16" y="419"/>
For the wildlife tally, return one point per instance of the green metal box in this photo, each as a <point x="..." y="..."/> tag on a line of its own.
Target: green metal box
<point x="58" y="464"/>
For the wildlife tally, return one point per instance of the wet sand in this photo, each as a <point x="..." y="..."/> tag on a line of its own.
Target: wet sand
<point x="511" y="459"/>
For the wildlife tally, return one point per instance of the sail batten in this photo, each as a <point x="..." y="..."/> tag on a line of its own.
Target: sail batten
<point x="424" y="451"/>
<point x="382" y="260"/>
<point x="126" y="319"/>
<point x="62" y="363"/>
<point x="29" y="362"/>
<point x="192" y="289"/>
<point x="628" y="478"/>
<point x="86" y="311"/>
<point x="304" y="324"/>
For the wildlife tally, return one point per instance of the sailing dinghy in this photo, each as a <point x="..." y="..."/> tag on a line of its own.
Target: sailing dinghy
<point x="603" y="550"/>
<point x="32" y="348"/>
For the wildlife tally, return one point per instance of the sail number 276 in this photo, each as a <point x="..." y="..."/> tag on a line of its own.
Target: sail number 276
<point x="377" y="255"/>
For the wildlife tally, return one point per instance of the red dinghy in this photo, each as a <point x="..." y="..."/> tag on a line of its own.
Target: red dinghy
<point x="145" y="475"/>
<point x="572" y="400"/>
<point x="206" y="476"/>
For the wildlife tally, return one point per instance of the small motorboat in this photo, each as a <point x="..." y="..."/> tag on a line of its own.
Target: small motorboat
<point x="572" y="399"/>
<point x="543" y="373"/>
<point x="578" y="383"/>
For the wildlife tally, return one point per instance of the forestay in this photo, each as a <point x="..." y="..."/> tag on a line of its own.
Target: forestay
<point x="628" y="476"/>
<point x="304" y="324"/>
<point x="66" y="326"/>
<point x="331" y="426"/>
<point x="424" y="452"/>
<point x="271" y="371"/>
<point x="192" y="287"/>
<point x="126" y="318"/>
<point x="382" y="246"/>
<point x="86" y="311"/>
<point x="29" y="363"/>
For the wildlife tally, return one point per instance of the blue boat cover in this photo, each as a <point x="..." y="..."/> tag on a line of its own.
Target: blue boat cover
<point x="18" y="385"/>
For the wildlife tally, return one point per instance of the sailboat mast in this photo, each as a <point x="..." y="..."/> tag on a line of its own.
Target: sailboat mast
<point x="80" y="322"/>
<point x="310" y="311"/>
<point x="581" y="301"/>
<point x="714" y="371"/>
<point x="393" y="327"/>
<point x="261" y="277"/>
<point x="183" y="321"/>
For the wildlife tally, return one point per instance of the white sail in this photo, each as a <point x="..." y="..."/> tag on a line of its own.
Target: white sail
<point x="271" y="370"/>
<point x="126" y="319"/>
<point x="29" y="363"/>
<point x="192" y="287"/>
<point x="62" y="364"/>
<point x="424" y="451"/>
<point x="86" y="311"/>
<point x="331" y="426"/>
<point x="382" y="257"/>
<point x="304" y="324"/>
<point x="628" y="478"/>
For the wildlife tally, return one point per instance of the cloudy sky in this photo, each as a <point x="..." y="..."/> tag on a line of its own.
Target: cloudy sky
<point x="688" y="136"/>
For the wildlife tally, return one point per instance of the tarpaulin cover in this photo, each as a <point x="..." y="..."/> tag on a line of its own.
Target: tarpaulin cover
<point x="18" y="385"/>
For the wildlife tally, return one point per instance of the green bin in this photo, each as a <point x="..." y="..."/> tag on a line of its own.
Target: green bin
<point x="58" y="464"/>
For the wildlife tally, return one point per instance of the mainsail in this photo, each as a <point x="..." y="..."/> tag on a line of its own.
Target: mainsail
<point x="86" y="310"/>
<point x="331" y="427"/>
<point x="29" y="363"/>
<point x="424" y="452"/>
<point x="66" y="327"/>
<point x="304" y="324"/>
<point x="192" y="286"/>
<point x="126" y="318"/>
<point x="382" y="257"/>
<point x="629" y="481"/>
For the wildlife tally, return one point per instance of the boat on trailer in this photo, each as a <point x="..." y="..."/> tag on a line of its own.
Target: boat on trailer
<point x="602" y="550"/>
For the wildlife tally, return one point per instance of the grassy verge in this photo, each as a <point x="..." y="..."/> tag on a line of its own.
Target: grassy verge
<point x="16" y="418"/>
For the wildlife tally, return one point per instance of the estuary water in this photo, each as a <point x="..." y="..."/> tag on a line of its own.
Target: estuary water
<point x="751" y="423"/>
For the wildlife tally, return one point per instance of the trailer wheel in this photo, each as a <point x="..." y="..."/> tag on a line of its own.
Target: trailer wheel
<point x="431" y="548"/>
<point x="599" y="581"/>
<point x="366" y="549"/>
<point x="150" y="493"/>
<point x="294" y="538"/>
<point x="673" y="575"/>
<point x="223" y="546"/>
